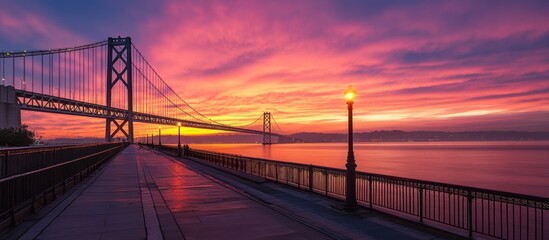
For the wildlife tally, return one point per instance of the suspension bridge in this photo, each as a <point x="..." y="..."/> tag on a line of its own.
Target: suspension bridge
<point x="110" y="80"/>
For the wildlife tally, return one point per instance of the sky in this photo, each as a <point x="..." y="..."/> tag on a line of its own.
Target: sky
<point x="416" y="65"/>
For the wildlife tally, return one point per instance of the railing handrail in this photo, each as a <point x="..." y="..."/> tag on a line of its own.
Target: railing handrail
<point x="419" y="181"/>
<point x="56" y="165"/>
<point x="466" y="211"/>
<point x="31" y="149"/>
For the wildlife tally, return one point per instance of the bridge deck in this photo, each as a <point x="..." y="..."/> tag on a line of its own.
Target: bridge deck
<point x="145" y="194"/>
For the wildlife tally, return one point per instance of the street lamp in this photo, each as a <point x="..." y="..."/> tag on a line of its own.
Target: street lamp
<point x="159" y="136"/>
<point x="179" y="139"/>
<point x="350" y="198"/>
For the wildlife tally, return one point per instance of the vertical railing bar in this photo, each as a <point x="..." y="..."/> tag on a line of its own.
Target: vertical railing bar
<point x="385" y="194"/>
<point x="392" y="195"/>
<point x="287" y="174"/>
<point x="507" y="219"/>
<point x="310" y="177"/>
<point x="326" y="181"/>
<point x="470" y="213"/>
<point x="494" y="216"/>
<point x="513" y="225"/>
<point x="403" y="198"/>
<point x="453" y="208"/>
<point x="444" y="215"/>
<point x="527" y="220"/>
<point x="397" y="184"/>
<point x="488" y="216"/>
<point x="501" y="217"/>
<point x="431" y="201"/>
<point x="6" y="163"/>
<point x="520" y="219"/>
<point x="482" y="213"/>
<point x="456" y="210"/>
<point x="402" y="192"/>
<point x="276" y="172"/>
<point x="463" y="213"/>
<point x="410" y="198"/>
<point x="397" y="195"/>
<point x="438" y="204"/>
<point x="535" y="221"/>
<point x="420" y="202"/>
<point x="388" y="186"/>
<point x="401" y="208"/>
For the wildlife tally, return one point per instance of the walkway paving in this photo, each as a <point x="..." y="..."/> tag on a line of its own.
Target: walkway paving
<point x="144" y="194"/>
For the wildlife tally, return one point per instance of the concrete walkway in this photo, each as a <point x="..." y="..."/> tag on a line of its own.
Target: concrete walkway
<point x="144" y="194"/>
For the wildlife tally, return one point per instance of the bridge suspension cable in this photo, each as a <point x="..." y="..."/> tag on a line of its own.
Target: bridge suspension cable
<point x="278" y="126"/>
<point x="249" y="124"/>
<point x="75" y="73"/>
<point x="76" y="80"/>
<point x="152" y="77"/>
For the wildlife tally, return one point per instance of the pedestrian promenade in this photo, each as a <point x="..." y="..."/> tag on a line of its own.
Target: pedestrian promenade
<point x="144" y="194"/>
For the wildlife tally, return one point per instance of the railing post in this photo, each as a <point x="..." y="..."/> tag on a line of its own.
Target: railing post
<point x="311" y="177"/>
<point x="44" y="156"/>
<point x="370" y="190"/>
<point x="298" y="178"/>
<point x="6" y="159"/>
<point x="421" y="203"/>
<point x="470" y="213"/>
<point x="276" y="172"/>
<point x="326" y="181"/>
<point x="54" y="156"/>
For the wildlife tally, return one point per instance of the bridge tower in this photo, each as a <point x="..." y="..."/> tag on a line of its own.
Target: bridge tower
<point x="267" y="128"/>
<point x="119" y="71"/>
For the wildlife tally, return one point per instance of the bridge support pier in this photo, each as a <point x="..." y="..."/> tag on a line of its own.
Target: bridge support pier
<point x="10" y="111"/>
<point x="119" y="67"/>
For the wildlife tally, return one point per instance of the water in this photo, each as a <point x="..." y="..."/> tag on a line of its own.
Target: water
<point x="520" y="167"/>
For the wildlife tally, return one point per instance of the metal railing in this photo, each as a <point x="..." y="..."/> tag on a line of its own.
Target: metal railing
<point x="22" y="160"/>
<point x="24" y="193"/>
<point x="467" y="211"/>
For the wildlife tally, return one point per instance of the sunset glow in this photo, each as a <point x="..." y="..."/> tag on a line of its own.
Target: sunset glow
<point x="418" y="65"/>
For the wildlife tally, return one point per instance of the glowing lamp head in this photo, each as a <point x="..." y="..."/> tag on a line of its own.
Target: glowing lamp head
<point x="350" y="94"/>
<point x="179" y="124"/>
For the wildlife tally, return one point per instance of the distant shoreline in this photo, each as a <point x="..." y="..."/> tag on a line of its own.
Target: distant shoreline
<point x="360" y="137"/>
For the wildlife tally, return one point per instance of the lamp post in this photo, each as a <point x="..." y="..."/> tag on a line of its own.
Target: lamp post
<point x="179" y="139"/>
<point x="152" y="139"/>
<point x="350" y="198"/>
<point x="159" y="136"/>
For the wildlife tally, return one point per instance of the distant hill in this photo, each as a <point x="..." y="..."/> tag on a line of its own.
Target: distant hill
<point x="423" y="136"/>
